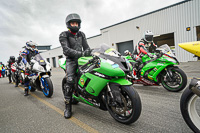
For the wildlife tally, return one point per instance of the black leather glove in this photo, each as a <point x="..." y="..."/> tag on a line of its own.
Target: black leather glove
<point x="87" y="52"/>
<point x="79" y="54"/>
<point x="150" y="55"/>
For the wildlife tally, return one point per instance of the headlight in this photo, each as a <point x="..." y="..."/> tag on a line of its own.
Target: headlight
<point x="40" y="68"/>
<point x="115" y="65"/>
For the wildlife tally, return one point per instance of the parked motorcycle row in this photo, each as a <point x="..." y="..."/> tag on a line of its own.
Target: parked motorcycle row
<point x="106" y="81"/>
<point x="39" y="77"/>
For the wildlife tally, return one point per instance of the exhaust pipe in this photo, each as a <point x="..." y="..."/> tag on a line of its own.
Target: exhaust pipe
<point x="195" y="86"/>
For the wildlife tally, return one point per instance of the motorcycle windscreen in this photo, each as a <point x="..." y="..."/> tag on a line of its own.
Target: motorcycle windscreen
<point x="108" y="53"/>
<point x="39" y="59"/>
<point x="166" y="49"/>
<point x="107" y="50"/>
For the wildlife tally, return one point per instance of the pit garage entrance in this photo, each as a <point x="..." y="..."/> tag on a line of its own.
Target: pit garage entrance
<point x="165" y="39"/>
<point x="125" y="46"/>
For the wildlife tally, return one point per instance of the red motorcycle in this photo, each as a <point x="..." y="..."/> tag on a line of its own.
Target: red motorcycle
<point x="13" y="72"/>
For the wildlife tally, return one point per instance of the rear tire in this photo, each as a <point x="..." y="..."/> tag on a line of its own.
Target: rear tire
<point x="132" y="106"/>
<point x="180" y="78"/>
<point x="188" y="110"/>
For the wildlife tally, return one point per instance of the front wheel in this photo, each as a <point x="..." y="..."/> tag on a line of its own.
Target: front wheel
<point x="21" y="79"/>
<point x="47" y="86"/>
<point x="176" y="83"/>
<point x="190" y="109"/>
<point x="130" y="109"/>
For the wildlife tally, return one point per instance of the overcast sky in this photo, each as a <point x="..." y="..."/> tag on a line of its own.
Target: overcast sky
<point x="43" y="20"/>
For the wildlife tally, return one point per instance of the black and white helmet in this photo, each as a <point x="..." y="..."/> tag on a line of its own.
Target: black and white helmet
<point x="148" y="36"/>
<point x="73" y="18"/>
<point x="31" y="45"/>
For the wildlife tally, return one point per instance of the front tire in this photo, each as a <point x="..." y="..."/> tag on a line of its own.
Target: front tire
<point x="47" y="86"/>
<point x="188" y="110"/>
<point x="130" y="111"/>
<point x="179" y="80"/>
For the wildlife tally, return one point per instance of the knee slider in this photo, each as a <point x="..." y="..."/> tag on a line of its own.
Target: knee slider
<point x="70" y="80"/>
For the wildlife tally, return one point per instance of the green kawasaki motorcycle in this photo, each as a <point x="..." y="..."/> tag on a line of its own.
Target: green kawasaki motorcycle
<point x="161" y="69"/>
<point x="101" y="82"/>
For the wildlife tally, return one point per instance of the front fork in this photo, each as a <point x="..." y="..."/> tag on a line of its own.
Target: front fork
<point x="114" y="94"/>
<point x="169" y="73"/>
<point x="41" y="79"/>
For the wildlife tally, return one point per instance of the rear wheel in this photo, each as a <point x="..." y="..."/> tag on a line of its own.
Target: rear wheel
<point x="176" y="83"/>
<point x="130" y="109"/>
<point x="47" y="86"/>
<point x="190" y="109"/>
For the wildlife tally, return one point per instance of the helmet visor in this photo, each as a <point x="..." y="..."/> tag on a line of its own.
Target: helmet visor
<point x="33" y="46"/>
<point x="149" y="38"/>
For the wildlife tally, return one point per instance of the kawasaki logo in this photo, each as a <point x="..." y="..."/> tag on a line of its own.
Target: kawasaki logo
<point x="99" y="74"/>
<point x="90" y="89"/>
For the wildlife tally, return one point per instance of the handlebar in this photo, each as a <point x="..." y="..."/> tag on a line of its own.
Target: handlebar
<point x="89" y="62"/>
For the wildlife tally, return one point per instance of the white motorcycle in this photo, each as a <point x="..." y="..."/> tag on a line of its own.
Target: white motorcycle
<point x="21" y="68"/>
<point x="190" y="105"/>
<point x="40" y="76"/>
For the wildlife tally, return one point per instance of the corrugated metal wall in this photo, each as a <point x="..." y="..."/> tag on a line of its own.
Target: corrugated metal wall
<point x="173" y="19"/>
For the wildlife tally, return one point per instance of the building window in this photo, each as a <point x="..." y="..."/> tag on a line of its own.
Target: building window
<point x="198" y="33"/>
<point x="61" y="56"/>
<point x="54" y="61"/>
<point x="43" y="47"/>
<point x="48" y="60"/>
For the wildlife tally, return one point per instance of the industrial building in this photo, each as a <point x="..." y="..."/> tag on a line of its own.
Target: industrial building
<point x="171" y="25"/>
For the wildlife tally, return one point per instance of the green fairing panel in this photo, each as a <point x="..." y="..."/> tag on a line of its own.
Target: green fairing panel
<point x="145" y="58"/>
<point x="109" y="69"/>
<point x="83" y="60"/>
<point x="160" y="64"/>
<point x="121" y="81"/>
<point x="105" y="67"/>
<point x="129" y="58"/>
<point x="95" y="85"/>
<point x="82" y="100"/>
<point x="62" y="63"/>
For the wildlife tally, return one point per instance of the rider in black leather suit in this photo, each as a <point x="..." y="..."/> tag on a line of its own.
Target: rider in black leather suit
<point x="10" y="62"/>
<point x="74" y="45"/>
<point x="17" y="74"/>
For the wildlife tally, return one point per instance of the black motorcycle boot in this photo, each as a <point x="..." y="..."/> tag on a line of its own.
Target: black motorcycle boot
<point x="68" y="110"/>
<point x="16" y="84"/>
<point x="17" y="81"/>
<point x="10" y="81"/>
<point x="68" y="101"/>
<point x="26" y="91"/>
